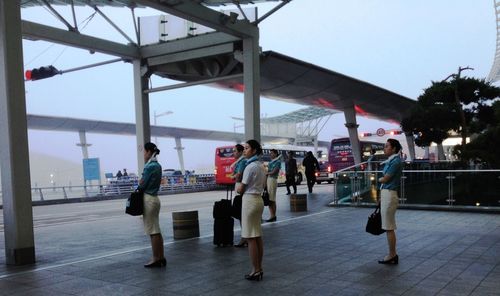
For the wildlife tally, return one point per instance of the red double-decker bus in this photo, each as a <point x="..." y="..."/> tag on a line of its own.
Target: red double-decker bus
<point x="223" y="160"/>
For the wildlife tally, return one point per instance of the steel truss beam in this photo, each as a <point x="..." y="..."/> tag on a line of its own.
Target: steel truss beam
<point x="193" y="11"/>
<point x="181" y="45"/>
<point x="34" y="31"/>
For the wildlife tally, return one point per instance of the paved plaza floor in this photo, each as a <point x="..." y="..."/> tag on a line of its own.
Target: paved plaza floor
<point x="322" y="252"/>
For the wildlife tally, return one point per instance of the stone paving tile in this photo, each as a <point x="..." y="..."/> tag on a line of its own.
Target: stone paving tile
<point x="78" y="286"/>
<point x="39" y="292"/>
<point x="114" y="289"/>
<point x="441" y="253"/>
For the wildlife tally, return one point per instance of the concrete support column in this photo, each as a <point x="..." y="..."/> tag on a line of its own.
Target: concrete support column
<point x="142" y="125"/>
<point x="179" y="148"/>
<point x="14" y="156"/>
<point x="440" y="151"/>
<point x="426" y="152"/>
<point x="83" y="143"/>
<point x="352" y="128"/>
<point x="411" y="146"/>
<point x="251" y="80"/>
<point x="315" y="141"/>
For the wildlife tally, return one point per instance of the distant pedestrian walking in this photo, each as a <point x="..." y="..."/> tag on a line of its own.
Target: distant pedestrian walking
<point x="252" y="186"/>
<point x="150" y="184"/>
<point x="125" y="174"/>
<point x="312" y="166"/>
<point x="391" y="180"/>
<point x="290" y="173"/>
<point x="119" y="174"/>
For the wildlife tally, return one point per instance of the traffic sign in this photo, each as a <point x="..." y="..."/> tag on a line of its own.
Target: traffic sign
<point x="91" y="169"/>
<point x="381" y="132"/>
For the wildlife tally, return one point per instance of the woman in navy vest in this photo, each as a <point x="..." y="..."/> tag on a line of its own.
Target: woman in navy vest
<point x="391" y="181"/>
<point x="150" y="184"/>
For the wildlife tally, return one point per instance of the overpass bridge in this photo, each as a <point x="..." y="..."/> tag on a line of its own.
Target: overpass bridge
<point x="84" y="126"/>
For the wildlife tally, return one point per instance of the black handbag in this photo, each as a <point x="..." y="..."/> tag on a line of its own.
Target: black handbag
<point x="236" y="207"/>
<point x="374" y="224"/>
<point x="135" y="204"/>
<point x="265" y="197"/>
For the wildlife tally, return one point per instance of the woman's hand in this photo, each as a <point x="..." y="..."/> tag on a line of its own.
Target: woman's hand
<point x="240" y="189"/>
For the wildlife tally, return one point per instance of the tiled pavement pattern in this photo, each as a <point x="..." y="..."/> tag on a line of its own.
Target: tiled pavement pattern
<point x="324" y="253"/>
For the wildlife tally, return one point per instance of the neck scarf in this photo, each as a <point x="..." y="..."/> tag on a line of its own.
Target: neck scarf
<point x="252" y="159"/>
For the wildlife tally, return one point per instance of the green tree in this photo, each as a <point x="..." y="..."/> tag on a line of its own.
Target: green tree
<point x="438" y="112"/>
<point x="485" y="146"/>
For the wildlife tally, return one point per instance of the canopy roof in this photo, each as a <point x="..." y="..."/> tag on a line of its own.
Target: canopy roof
<point x="302" y="115"/>
<point x="288" y="79"/>
<point x="127" y="3"/>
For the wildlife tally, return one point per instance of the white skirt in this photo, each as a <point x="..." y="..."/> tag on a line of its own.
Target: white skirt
<point x="388" y="205"/>
<point x="151" y="214"/>
<point x="251" y="215"/>
<point x="272" y="186"/>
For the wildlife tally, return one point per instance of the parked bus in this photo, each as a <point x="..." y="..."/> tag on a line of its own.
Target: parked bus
<point x="340" y="155"/>
<point x="224" y="159"/>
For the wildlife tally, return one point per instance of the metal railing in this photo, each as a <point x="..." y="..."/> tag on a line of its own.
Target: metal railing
<point x="169" y="185"/>
<point x="436" y="187"/>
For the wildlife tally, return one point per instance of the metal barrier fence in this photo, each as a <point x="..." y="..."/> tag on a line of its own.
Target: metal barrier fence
<point x="192" y="183"/>
<point x="436" y="187"/>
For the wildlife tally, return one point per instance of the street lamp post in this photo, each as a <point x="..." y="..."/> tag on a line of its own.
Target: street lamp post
<point x="159" y="115"/>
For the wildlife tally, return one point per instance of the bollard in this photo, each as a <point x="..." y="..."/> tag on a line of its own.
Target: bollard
<point x="298" y="203"/>
<point x="185" y="224"/>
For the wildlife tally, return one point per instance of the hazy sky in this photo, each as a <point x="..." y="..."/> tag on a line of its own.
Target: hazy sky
<point x="398" y="45"/>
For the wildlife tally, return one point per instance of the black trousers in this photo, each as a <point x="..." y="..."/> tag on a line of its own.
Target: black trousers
<point x="290" y="181"/>
<point x="311" y="179"/>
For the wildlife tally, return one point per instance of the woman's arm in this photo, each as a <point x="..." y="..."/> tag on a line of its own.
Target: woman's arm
<point x="386" y="178"/>
<point x="146" y="176"/>
<point x="274" y="171"/>
<point x="241" y="189"/>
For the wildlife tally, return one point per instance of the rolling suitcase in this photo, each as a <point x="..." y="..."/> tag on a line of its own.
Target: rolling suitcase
<point x="223" y="222"/>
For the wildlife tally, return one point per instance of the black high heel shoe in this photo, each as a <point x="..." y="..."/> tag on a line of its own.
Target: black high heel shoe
<point x="157" y="263"/>
<point x="271" y="219"/>
<point x="256" y="276"/>
<point x="394" y="260"/>
<point x="241" y="244"/>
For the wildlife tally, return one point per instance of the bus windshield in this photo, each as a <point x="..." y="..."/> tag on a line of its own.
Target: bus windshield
<point x="340" y="154"/>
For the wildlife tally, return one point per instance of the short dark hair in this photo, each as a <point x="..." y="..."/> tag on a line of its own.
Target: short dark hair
<point x="152" y="148"/>
<point x="254" y="144"/>
<point x="239" y="147"/>
<point x="274" y="151"/>
<point x="395" y="144"/>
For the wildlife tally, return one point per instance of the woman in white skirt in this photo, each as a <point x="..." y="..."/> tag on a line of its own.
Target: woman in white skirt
<point x="150" y="184"/>
<point x="252" y="186"/>
<point x="273" y="170"/>
<point x="391" y="180"/>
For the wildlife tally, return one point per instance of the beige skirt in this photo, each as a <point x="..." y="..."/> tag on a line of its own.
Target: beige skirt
<point x="272" y="186"/>
<point x="151" y="214"/>
<point x="388" y="206"/>
<point x="251" y="215"/>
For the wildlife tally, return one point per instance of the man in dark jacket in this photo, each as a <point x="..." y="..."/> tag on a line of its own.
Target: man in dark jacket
<point x="312" y="166"/>
<point x="291" y="172"/>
